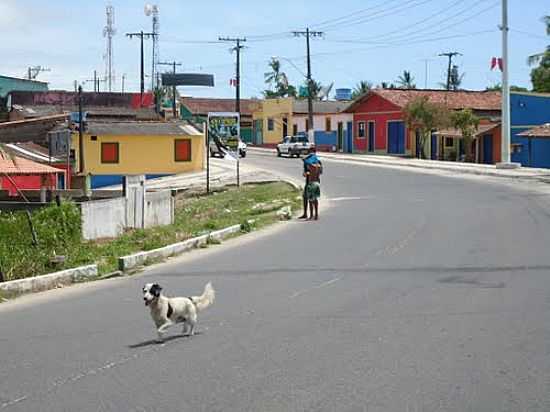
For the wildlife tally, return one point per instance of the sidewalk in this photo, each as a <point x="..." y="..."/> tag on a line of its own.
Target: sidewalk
<point x="222" y="173"/>
<point x="542" y="175"/>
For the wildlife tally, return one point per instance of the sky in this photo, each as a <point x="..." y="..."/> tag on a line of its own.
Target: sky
<point x="373" y="40"/>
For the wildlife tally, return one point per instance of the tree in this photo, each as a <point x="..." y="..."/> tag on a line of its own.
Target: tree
<point x="406" y="80"/>
<point x="361" y="88"/>
<point x="455" y="79"/>
<point x="498" y="87"/>
<point x="540" y="76"/>
<point x="536" y="58"/>
<point x="278" y="81"/>
<point x="424" y="117"/>
<point x="467" y="122"/>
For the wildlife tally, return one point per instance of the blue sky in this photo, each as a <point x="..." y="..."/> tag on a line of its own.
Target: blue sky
<point x="373" y="40"/>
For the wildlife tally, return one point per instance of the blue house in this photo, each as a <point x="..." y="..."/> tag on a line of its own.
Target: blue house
<point x="528" y="110"/>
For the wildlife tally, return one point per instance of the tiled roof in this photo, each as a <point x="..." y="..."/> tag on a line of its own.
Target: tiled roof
<point x="19" y="166"/>
<point x="461" y="99"/>
<point x="539" y="131"/>
<point x="142" y="129"/>
<point x="202" y="106"/>
<point x="320" y="107"/>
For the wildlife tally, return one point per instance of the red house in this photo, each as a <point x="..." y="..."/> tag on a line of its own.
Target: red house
<point x="23" y="174"/>
<point x="379" y="126"/>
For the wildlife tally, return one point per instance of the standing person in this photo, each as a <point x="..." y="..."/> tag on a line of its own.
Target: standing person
<point x="312" y="175"/>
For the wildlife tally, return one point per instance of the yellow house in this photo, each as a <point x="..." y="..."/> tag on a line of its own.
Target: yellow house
<point x="272" y="120"/>
<point x="112" y="150"/>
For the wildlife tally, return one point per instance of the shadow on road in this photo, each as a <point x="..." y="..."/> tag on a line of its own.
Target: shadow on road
<point x="156" y="342"/>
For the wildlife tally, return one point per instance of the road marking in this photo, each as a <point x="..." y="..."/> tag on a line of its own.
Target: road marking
<point x="341" y="199"/>
<point x="322" y="285"/>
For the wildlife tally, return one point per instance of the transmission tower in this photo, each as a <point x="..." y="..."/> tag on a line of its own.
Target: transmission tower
<point x="153" y="10"/>
<point x="109" y="31"/>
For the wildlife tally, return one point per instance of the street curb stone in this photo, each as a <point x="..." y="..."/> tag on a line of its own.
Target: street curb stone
<point x="135" y="260"/>
<point x="49" y="281"/>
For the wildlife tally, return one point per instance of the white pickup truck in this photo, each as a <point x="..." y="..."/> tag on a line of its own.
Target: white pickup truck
<point x="294" y="146"/>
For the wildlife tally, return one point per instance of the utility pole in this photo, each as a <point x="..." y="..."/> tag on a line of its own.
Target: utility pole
<point x="80" y="132"/>
<point x="308" y="34"/>
<point x="141" y="35"/>
<point x="96" y="84"/>
<point x="450" y="55"/>
<point x="237" y="49"/>
<point x="173" y="64"/>
<point x="33" y="72"/>
<point x="109" y="31"/>
<point x="123" y="78"/>
<point x="505" y="161"/>
<point x="426" y="62"/>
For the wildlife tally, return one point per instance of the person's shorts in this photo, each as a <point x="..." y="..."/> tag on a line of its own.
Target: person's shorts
<point x="313" y="191"/>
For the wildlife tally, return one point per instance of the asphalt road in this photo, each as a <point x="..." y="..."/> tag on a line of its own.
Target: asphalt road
<point x="412" y="293"/>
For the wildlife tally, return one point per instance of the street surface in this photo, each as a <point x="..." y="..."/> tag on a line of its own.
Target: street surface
<point x="414" y="292"/>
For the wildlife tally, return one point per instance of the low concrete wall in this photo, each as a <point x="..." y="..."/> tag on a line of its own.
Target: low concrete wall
<point x="50" y="281"/>
<point x="103" y="218"/>
<point x="159" y="208"/>
<point x="132" y="261"/>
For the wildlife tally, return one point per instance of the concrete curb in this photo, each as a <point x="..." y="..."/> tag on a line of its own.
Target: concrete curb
<point x="49" y="281"/>
<point x="130" y="262"/>
<point x="407" y="164"/>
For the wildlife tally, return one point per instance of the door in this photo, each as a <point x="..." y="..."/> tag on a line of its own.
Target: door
<point x="371" y="135"/>
<point x="258" y="138"/>
<point x="396" y="138"/>
<point x="340" y="137"/>
<point x="349" y="138"/>
<point x="285" y="127"/>
<point x="434" y="147"/>
<point x="488" y="149"/>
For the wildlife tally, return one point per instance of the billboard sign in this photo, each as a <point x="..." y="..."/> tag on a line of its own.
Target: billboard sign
<point x="187" y="79"/>
<point x="224" y="131"/>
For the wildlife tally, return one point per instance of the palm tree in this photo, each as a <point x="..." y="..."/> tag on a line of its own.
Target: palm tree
<point x="361" y="88"/>
<point x="535" y="58"/>
<point x="274" y="76"/>
<point x="406" y="80"/>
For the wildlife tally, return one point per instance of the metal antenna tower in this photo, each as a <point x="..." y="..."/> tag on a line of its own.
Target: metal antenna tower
<point x="109" y="31"/>
<point x="153" y="10"/>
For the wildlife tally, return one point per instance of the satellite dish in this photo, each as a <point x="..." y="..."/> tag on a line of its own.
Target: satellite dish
<point x="148" y="9"/>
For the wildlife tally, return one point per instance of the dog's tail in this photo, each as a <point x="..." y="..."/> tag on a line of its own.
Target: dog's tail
<point x="206" y="299"/>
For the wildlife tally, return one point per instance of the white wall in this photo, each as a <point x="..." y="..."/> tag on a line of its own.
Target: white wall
<point x="103" y="218"/>
<point x="159" y="208"/>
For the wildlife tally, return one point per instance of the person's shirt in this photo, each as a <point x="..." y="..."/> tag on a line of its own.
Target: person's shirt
<point x="312" y="159"/>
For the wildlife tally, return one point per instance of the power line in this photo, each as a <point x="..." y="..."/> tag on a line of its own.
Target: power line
<point x="330" y="22"/>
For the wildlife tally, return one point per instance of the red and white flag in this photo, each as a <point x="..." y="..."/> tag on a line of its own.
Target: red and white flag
<point x="497" y="61"/>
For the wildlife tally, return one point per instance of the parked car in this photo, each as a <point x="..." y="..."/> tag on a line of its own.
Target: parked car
<point x="217" y="149"/>
<point x="294" y="146"/>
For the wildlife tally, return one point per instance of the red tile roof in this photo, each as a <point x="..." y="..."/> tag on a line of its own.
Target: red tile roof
<point x="538" y="131"/>
<point x="461" y="99"/>
<point x="202" y="106"/>
<point x="20" y="166"/>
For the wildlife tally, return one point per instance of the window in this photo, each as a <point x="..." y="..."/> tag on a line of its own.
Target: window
<point x="270" y="125"/>
<point x="449" y="142"/>
<point x="307" y="125"/>
<point x="328" y="125"/>
<point x="109" y="153"/>
<point x="182" y="150"/>
<point x="361" y="132"/>
<point x="295" y="129"/>
<point x="93" y="138"/>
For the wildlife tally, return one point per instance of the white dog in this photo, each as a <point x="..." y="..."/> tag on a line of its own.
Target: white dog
<point x="167" y="311"/>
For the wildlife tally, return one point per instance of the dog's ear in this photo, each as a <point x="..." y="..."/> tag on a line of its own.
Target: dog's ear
<point x="155" y="290"/>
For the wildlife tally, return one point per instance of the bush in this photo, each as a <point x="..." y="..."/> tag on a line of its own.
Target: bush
<point x="58" y="230"/>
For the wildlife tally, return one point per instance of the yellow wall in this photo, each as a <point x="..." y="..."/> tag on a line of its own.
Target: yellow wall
<point x="276" y="109"/>
<point x="140" y="155"/>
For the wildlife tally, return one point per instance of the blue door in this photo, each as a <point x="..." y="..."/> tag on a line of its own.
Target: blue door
<point x="349" y="138"/>
<point x="434" y="147"/>
<point x="371" y="136"/>
<point x="488" y="149"/>
<point x="396" y="137"/>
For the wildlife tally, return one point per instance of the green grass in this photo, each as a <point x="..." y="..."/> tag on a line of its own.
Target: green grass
<point x="58" y="229"/>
